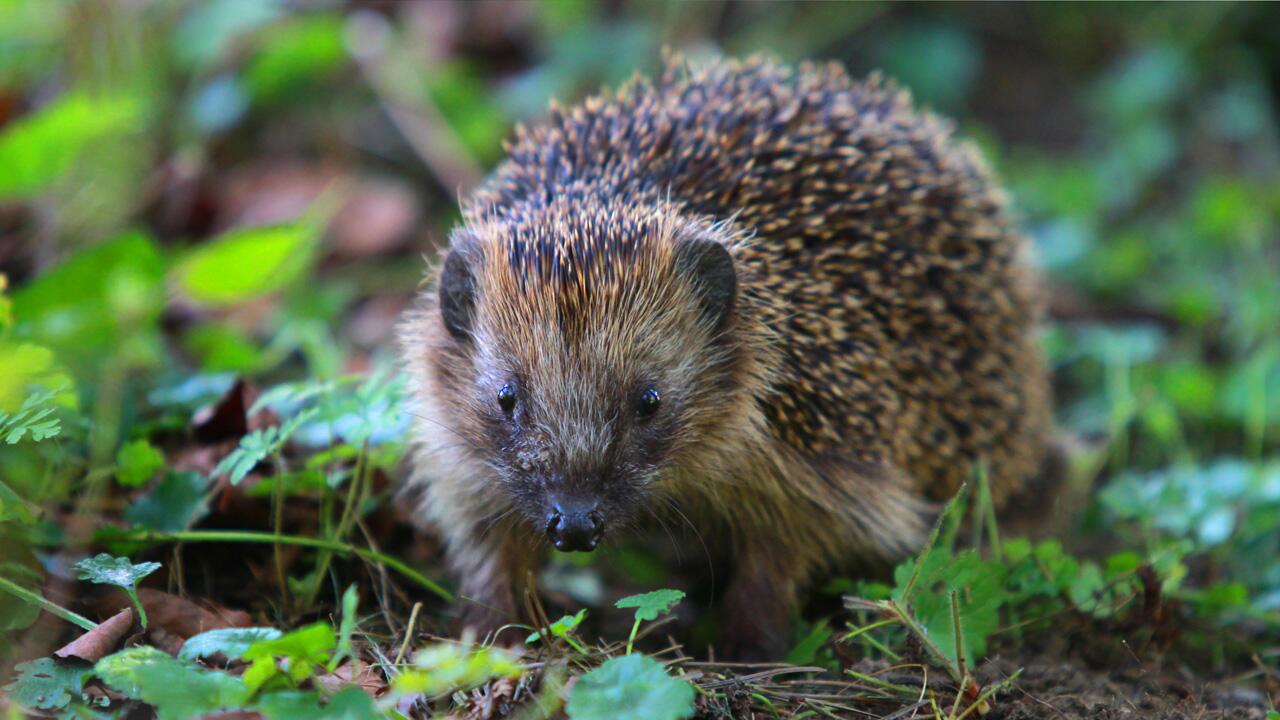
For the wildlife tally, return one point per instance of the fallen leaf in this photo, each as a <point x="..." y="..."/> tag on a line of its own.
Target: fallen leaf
<point x="180" y="616"/>
<point x="100" y="641"/>
<point x="370" y="679"/>
<point x="225" y="420"/>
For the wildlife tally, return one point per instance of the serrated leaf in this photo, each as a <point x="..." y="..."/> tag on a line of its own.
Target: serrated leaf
<point x="562" y="627"/>
<point x="246" y="263"/>
<point x="177" y="688"/>
<point x="137" y="462"/>
<point x="173" y="505"/>
<point x="651" y="605"/>
<point x="632" y="687"/>
<point x="106" y="569"/>
<point x="47" y="684"/>
<point x="257" y="446"/>
<point x="229" y="642"/>
<point x="979" y="589"/>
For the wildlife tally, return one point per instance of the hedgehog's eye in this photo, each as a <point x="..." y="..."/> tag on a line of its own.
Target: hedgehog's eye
<point x="649" y="402"/>
<point x="507" y="398"/>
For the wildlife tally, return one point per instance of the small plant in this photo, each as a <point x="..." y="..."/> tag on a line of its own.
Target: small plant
<point x="562" y="629"/>
<point x="106" y="569"/>
<point x="649" y="607"/>
<point x="258" y="446"/>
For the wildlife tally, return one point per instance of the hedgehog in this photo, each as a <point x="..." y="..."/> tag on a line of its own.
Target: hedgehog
<point x="777" y="303"/>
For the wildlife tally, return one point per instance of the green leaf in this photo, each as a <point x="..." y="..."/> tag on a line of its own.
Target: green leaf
<point x="295" y="55"/>
<point x="247" y="263"/>
<point x="632" y="687"/>
<point x="562" y="627"/>
<point x="349" y="704"/>
<point x="33" y="419"/>
<point x="807" y="649"/>
<point x="257" y="446"/>
<point x="173" y="505"/>
<point x="651" y="605"/>
<point x="14" y="507"/>
<point x="306" y="649"/>
<point x="37" y="149"/>
<point x="177" y="688"/>
<point x="105" y="569"/>
<point x="137" y="462"/>
<point x="47" y="684"/>
<point x="979" y="586"/>
<point x="230" y="642"/>
<point x="449" y="667"/>
<point x="99" y="303"/>
<point x="350" y="602"/>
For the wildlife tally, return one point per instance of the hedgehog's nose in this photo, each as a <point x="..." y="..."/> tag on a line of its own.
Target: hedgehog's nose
<point x="575" y="527"/>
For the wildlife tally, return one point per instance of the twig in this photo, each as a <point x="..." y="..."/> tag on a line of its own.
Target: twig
<point x="251" y="536"/>
<point x="408" y="632"/>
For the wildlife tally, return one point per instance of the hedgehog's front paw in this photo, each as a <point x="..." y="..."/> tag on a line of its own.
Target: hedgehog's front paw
<point x="750" y="641"/>
<point x="757" y="614"/>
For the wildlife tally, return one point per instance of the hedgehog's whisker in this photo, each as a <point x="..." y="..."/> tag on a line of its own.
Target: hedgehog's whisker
<point x="711" y="566"/>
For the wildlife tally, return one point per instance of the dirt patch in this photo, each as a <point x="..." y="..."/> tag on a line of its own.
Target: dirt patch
<point x="1054" y="688"/>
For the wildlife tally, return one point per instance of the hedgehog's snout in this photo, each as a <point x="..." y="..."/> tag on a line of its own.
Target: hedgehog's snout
<point x="575" y="526"/>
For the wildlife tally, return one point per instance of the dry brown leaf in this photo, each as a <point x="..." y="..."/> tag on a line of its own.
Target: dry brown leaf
<point x="369" y="679"/>
<point x="100" y="641"/>
<point x="179" y="616"/>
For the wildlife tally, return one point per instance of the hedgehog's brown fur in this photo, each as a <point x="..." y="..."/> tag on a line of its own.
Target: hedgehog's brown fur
<point x="881" y="341"/>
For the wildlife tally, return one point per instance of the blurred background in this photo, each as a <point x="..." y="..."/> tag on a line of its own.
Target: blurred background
<point x="193" y="192"/>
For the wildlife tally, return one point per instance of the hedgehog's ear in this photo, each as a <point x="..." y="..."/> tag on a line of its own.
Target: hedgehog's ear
<point x="708" y="263"/>
<point x="456" y="291"/>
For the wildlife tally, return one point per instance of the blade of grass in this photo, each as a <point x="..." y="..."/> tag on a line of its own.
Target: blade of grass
<point x="250" y="536"/>
<point x="49" y="606"/>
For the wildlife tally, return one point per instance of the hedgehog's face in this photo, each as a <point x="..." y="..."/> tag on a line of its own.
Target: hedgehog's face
<point x="592" y="364"/>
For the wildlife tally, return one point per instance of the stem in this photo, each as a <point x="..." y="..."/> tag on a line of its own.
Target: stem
<point x="988" y="510"/>
<point x="137" y="604"/>
<point x="867" y="628"/>
<point x="576" y="645"/>
<point x="251" y="536"/>
<point x="277" y="522"/>
<point x="353" y="498"/>
<point x="49" y="606"/>
<point x="635" y="627"/>
<point x="408" y="633"/>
